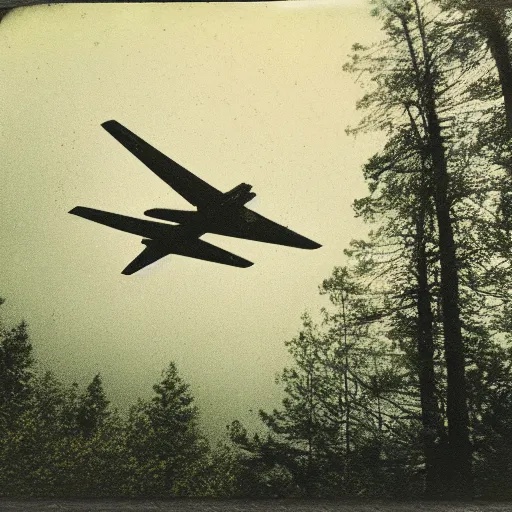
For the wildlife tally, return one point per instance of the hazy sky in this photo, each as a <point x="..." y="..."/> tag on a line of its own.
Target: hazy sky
<point x="250" y="93"/>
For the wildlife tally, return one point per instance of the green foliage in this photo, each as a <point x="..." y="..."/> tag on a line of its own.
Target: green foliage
<point x="165" y="450"/>
<point x="15" y="371"/>
<point x="45" y="454"/>
<point x="371" y="394"/>
<point x="337" y="430"/>
<point x="59" y="441"/>
<point x="93" y="408"/>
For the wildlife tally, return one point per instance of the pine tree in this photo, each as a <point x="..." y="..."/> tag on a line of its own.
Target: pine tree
<point x="16" y="363"/>
<point x="92" y="408"/>
<point x="414" y="88"/>
<point x="379" y="399"/>
<point x="400" y="262"/>
<point x="165" y="447"/>
<point x="342" y="412"/>
<point x="304" y="424"/>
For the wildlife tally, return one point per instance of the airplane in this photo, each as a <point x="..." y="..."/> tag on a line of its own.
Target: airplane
<point x="216" y="212"/>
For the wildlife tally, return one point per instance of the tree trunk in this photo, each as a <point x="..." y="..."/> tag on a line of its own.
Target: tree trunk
<point x="459" y="460"/>
<point x="433" y="437"/>
<point x="346" y="397"/>
<point x="456" y="406"/>
<point x="492" y="27"/>
<point x="309" y="488"/>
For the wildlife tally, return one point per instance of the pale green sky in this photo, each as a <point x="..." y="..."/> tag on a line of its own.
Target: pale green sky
<point x="250" y="93"/>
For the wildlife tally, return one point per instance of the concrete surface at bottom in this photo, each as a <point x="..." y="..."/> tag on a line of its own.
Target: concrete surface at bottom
<point x="277" y="505"/>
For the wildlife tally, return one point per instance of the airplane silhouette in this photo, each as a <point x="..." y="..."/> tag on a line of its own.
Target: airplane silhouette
<point x="217" y="212"/>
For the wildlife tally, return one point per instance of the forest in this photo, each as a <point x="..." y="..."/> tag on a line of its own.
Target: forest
<point x="402" y="388"/>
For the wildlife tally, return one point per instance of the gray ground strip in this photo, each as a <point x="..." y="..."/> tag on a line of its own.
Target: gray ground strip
<point x="194" y="505"/>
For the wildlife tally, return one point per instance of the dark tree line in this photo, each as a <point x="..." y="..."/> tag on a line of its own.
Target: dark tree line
<point x="58" y="440"/>
<point x="398" y="392"/>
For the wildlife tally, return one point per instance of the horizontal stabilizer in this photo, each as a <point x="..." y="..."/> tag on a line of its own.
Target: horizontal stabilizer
<point x="150" y="254"/>
<point x="194" y="248"/>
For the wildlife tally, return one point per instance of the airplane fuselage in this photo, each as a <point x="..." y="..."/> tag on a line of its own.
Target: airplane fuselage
<point x="197" y="223"/>
<point x="232" y="220"/>
<point x="182" y="233"/>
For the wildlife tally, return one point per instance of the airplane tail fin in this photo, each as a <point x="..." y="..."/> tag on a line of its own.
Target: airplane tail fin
<point x="239" y="195"/>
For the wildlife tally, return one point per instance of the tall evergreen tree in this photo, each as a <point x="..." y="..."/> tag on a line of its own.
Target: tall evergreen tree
<point x="92" y="408"/>
<point x="305" y="423"/>
<point x="335" y="431"/>
<point x="163" y="440"/>
<point x="16" y="368"/>
<point x="414" y="87"/>
<point x="400" y="262"/>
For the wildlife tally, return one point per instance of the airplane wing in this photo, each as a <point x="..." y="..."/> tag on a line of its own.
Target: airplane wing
<point x="240" y="223"/>
<point x="193" y="189"/>
<point x="202" y="250"/>
<point x="193" y="249"/>
<point x="143" y="228"/>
